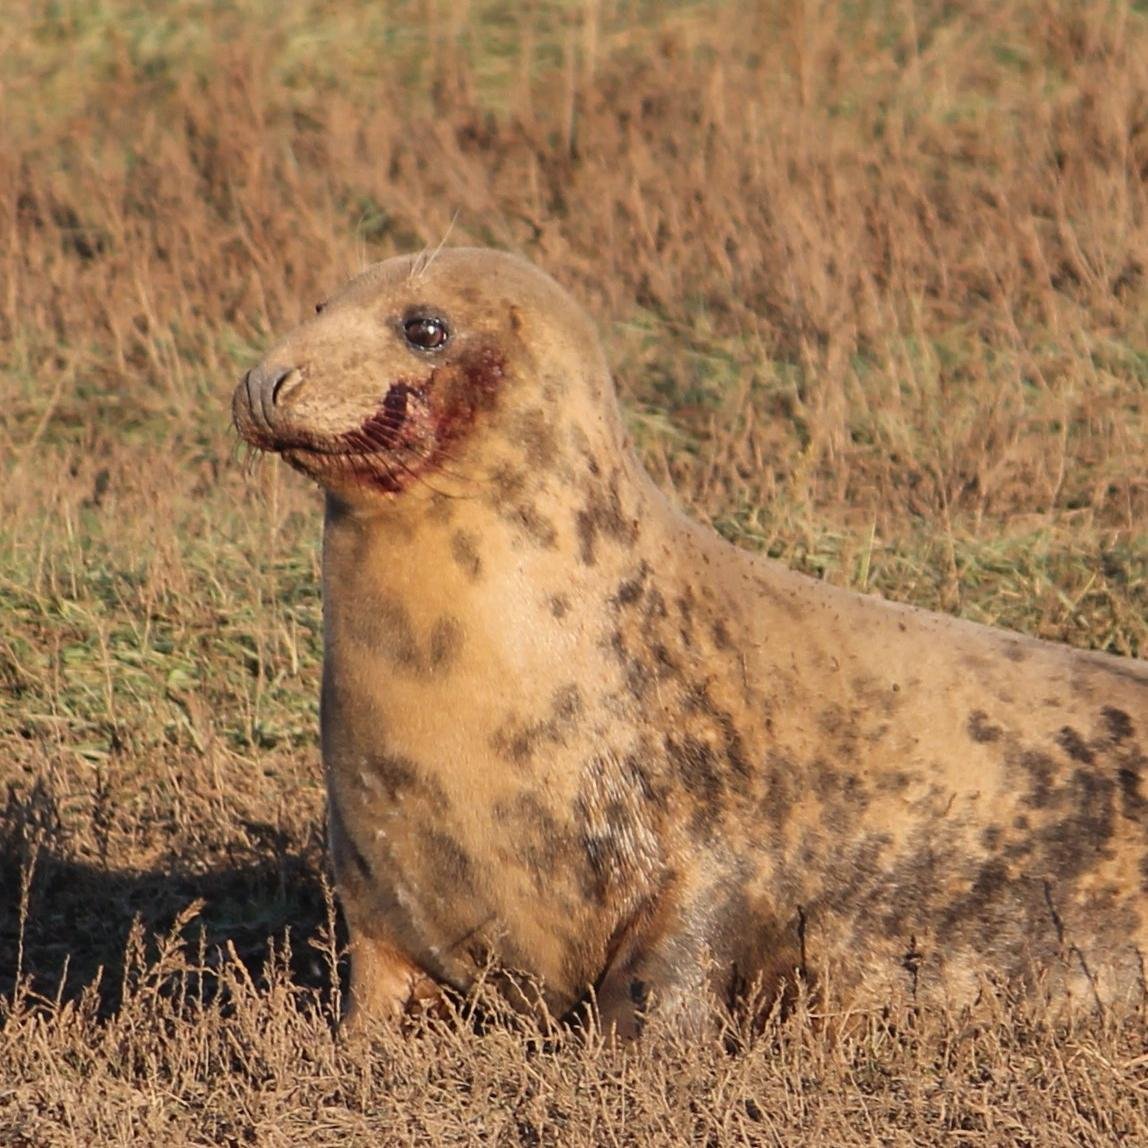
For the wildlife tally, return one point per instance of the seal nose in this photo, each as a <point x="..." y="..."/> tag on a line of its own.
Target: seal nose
<point x="259" y="407"/>
<point x="274" y="385"/>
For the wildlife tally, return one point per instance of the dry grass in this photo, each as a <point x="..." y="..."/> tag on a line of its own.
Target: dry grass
<point x="873" y="276"/>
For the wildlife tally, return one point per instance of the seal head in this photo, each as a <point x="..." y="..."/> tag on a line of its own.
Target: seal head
<point x="397" y="377"/>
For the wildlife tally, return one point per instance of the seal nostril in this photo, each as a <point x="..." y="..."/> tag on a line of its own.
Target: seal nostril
<point x="283" y="382"/>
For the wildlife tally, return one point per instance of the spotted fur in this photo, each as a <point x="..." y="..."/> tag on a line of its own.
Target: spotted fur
<point x="570" y="731"/>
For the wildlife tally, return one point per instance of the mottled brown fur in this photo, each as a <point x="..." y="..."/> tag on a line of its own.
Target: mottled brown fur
<point x="567" y="729"/>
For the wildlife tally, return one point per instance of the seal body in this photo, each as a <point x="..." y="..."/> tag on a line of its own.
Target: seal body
<point x="571" y="733"/>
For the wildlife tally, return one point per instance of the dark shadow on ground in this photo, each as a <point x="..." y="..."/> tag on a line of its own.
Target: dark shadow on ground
<point x="61" y="921"/>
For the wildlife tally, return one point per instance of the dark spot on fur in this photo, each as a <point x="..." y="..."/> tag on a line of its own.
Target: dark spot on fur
<point x="585" y="529"/>
<point x="393" y="772"/>
<point x="537" y="439"/>
<point x="519" y="741"/>
<point x="464" y="550"/>
<point x="559" y="605"/>
<point x="981" y="729"/>
<point x="638" y="674"/>
<point x="602" y="834"/>
<point x="698" y="769"/>
<point x="894" y="781"/>
<point x="720" y="635"/>
<point x="468" y="293"/>
<point x="537" y="527"/>
<point x="446" y="861"/>
<point x="1017" y="850"/>
<point x="602" y="517"/>
<point x="1132" y="800"/>
<point x="1071" y="843"/>
<point x="876" y="698"/>
<point x="446" y="639"/>
<point x="484" y="367"/>
<point x="566" y="703"/>
<point x="685" y="606"/>
<point x="1015" y="652"/>
<point x="400" y="778"/>
<point x="535" y="839"/>
<point x="1073" y="744"/>
<point x="1041" y="769"/>
<point x="845" y="728"/>
<point x="612" y="813"/>
<point x="517" y="745"/>
<point x="665" y="663"/>
<point x="841" y="790"/>
<point x="390" y="631"/>
<point x="978" y="907"/>
<point x="630" y="590"/>
<point x="1118" y="723"/>
<point x="739" y="773"/>
<point x="441" y="508"/>
<point x="635" y="775"/>
<point x="507" y="483"/>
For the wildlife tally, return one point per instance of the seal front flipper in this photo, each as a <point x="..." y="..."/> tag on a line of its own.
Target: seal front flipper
<point x="647" y="976"/>
<point x="385" y="985"/>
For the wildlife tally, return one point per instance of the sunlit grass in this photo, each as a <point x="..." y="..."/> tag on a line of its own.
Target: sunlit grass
<point x="872" y="279"/>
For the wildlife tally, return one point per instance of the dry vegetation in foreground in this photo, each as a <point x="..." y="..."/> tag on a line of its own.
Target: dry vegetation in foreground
<point x="873" y="277"/>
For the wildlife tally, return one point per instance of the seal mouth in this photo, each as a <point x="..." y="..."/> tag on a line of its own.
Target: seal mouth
<point x="330" y="465"/>
<point x="387" y="450"/>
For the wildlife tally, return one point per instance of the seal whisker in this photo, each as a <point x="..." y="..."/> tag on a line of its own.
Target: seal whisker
<point x="418" y="475"/>
<point x="423" y="260"/>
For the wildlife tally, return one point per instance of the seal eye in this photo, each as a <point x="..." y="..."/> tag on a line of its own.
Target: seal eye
<point x="426" y="332"/>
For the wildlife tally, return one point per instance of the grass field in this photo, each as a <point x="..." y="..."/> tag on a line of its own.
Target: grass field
<point x="873" y="279"/>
